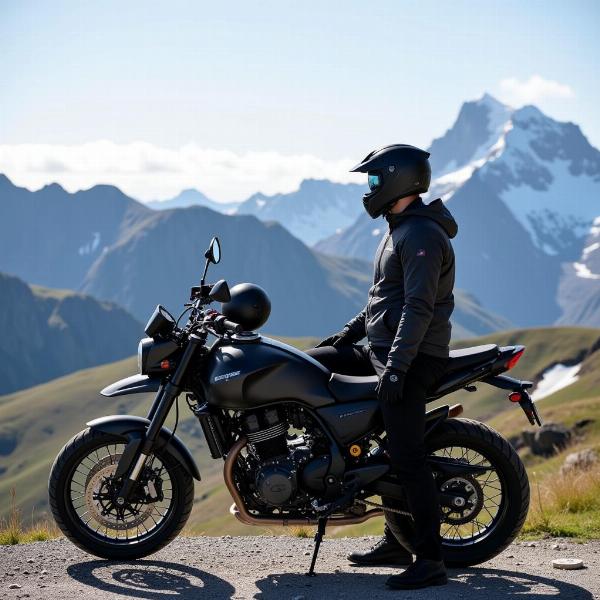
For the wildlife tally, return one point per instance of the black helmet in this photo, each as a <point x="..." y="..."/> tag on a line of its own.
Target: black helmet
<point x="394" y="172"/>
<point x="249" y="306"/>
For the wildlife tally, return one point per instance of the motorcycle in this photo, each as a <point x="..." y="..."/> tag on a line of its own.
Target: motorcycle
<point x="300" y="445"/>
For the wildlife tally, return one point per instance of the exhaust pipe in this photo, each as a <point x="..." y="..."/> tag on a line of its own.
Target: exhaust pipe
<point x="239" y="510"/>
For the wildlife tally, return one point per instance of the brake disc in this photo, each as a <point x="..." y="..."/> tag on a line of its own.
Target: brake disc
<point x="468" y="499"/>
<point x="97" y="483"/>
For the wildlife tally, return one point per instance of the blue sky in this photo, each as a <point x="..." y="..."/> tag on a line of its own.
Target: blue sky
<point x="327" y="81"/>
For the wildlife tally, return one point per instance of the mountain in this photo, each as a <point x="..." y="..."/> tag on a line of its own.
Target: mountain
<point x="159" y="261"/>
<point x="316" y="210"/>
<point x="193" y="197"/>
<point x="525" y="190"/>
<point x="51" y="237"/>
<point x="155" y="256"/>
<point x="47" y="333"/>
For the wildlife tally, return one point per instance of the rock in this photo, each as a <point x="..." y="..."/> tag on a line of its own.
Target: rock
<point x="548" y="439"/>
<point x="579" y="461"/>
<point x="567" y="563"/>
<point x="14" y="586"/>
<point x="583" y="423"/>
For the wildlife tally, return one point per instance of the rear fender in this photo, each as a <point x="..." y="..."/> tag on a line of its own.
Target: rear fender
<point x="434" y="418"/>
<point x="132" y="429"/>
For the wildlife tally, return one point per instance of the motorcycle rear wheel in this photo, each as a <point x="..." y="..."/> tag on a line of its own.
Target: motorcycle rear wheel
<point x="84" y="512"/>
<point x="503" y="522"/>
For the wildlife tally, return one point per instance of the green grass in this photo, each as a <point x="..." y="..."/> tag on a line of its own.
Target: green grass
<point x="13" y="531"/>
<point x="41" y="419"/>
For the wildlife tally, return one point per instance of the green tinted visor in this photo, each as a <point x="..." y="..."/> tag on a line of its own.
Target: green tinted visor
<point x="374" y="181"/>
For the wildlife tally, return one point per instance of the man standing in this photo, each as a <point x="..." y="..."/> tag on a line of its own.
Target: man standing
<point x="407" y="324"/>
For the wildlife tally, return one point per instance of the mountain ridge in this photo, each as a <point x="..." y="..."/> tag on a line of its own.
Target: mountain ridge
<point x="510" y="186"/>
<point x="47" y="333"/>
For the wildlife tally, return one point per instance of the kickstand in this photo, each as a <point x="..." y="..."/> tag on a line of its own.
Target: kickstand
<point x="321" y="524"/>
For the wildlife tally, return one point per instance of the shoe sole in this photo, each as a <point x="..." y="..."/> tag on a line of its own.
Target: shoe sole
<point x="416" y="586"/>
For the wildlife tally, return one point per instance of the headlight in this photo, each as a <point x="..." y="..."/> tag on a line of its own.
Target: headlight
<point x="153" y="353"/>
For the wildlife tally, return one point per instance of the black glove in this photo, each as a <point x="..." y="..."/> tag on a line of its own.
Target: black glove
<point x="390" y="386"/>
<point x="342" y="338"/>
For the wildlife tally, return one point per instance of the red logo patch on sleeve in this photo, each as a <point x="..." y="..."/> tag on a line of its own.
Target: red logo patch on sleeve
<point x="421" y="252"/>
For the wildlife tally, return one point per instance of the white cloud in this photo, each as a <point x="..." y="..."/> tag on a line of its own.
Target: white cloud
<point x="150" y="172"/>
<point x="533" y="90"/>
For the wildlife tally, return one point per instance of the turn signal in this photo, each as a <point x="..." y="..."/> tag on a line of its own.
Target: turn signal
<point x="355" y="450"/>
<point x="165" y="364"/>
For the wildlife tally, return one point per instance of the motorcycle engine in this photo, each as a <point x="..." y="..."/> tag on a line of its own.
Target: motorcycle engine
<point x="277" y="462"/>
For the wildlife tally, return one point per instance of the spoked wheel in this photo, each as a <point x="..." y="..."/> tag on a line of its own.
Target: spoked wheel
<point x="490" y="508"/>
<point x="83" y="497"/>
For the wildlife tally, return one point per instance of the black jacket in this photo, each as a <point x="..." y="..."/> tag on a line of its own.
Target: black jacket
<point x="411" y="300"/>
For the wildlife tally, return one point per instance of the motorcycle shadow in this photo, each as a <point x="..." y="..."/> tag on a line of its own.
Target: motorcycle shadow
<point x="150" y="579"/>
<point x="491" y="584"/>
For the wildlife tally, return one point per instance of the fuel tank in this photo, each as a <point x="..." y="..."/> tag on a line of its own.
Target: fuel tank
<point x="245" y="374"/>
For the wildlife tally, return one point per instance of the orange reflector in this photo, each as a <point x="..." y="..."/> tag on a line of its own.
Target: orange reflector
<point x="165" y="364"/>
<point x="355" y="450"/>
<point x="515" y="397"/>
<point x="514" y="360"/>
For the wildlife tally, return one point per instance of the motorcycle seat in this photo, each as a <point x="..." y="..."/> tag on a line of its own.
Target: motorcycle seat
<point x="350" y="388"/>
<point x="471" y="357"/>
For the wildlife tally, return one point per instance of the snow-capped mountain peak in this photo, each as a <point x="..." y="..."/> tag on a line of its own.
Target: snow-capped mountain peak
<point x="476" y="132"/>
<point x="525" y="190"/>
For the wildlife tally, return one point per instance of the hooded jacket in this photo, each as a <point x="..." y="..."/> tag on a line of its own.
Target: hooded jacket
<point x="410" y="302"/>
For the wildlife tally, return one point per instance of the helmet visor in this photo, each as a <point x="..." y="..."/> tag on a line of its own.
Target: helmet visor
<point x="374" y="180"/>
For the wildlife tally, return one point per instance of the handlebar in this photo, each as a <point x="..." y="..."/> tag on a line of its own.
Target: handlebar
<point x="222" y="325"/>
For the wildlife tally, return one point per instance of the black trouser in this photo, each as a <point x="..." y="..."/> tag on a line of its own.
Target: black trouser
<point x="405" y="429"/>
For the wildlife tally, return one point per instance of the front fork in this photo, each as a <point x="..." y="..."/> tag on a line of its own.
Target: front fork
<point x="137" y="450"/>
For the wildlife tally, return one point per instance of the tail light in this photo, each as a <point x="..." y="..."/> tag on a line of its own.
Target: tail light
<point x="514" y="359"/>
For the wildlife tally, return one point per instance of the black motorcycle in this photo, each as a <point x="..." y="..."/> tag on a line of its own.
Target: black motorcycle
<point x="301" y="445"/>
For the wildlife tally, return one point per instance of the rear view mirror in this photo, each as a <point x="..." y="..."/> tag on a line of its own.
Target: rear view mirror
<point x="220" y="292"/>
<point x="213" y="254"/>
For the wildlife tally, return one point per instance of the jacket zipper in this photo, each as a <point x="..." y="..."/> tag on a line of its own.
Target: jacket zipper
<point x="378" y="272"/>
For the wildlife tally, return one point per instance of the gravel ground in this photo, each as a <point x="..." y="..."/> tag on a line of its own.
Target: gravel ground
<point x="274" y="567"/>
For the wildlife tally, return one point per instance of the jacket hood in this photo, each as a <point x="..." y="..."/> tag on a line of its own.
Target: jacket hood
<point x="435" y="210"/>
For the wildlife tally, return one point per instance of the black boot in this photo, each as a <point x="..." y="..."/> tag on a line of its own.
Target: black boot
<point x="422" y="573"/>
<point x="384" y="552"/>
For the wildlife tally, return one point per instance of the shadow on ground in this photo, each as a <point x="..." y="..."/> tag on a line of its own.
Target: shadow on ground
<point x="491" y="584"/>
<point x="151" y="579"/>
<point x="157" y="580"/>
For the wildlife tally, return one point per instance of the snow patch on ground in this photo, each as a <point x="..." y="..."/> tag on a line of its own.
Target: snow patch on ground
<point x="555" y="378"/>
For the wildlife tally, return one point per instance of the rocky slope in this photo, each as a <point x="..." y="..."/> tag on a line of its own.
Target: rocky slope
<point x="47" y="333"/>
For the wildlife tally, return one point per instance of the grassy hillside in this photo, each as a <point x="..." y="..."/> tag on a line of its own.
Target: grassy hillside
<point x="36" y="422"/>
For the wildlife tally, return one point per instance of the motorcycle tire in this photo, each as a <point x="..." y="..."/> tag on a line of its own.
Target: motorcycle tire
<point x="66" y="464"/>
<point x="514" y="504"/>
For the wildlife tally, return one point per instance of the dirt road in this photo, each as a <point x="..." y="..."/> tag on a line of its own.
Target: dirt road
<point x="273" y="567"/>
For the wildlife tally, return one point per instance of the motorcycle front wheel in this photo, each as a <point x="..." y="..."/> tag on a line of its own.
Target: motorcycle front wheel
<point x="82" y="494"/>
<point x="495" y="503"/>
